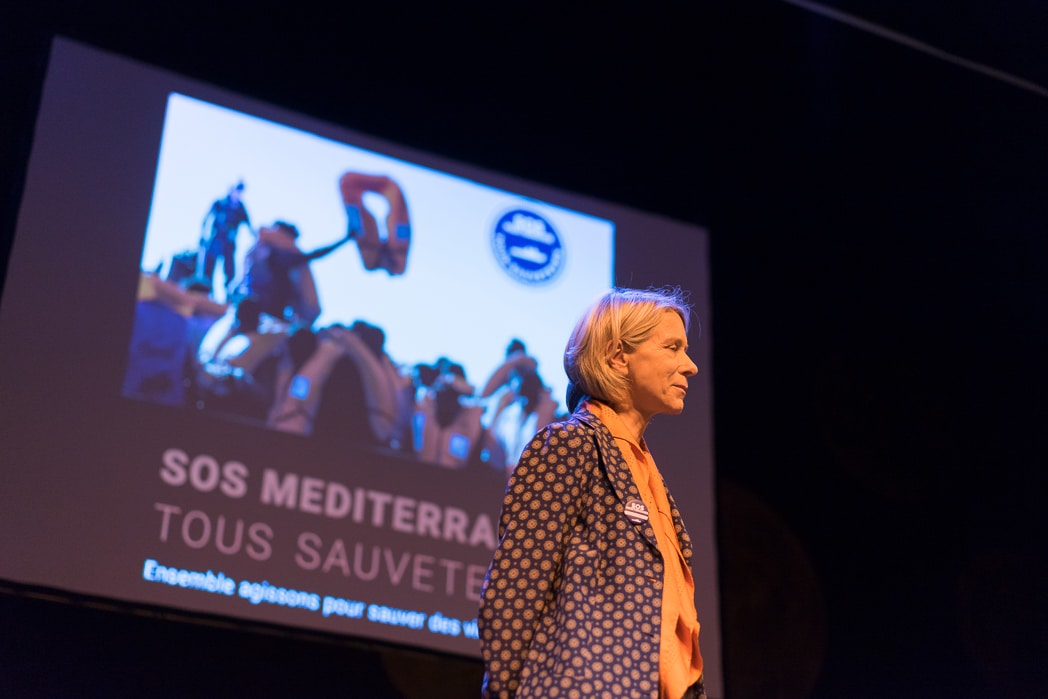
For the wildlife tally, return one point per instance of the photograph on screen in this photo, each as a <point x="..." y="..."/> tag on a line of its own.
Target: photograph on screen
<point x="316" y="288"/>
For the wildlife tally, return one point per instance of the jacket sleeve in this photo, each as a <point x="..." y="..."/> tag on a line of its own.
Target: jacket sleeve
<point x="543" y="499"/>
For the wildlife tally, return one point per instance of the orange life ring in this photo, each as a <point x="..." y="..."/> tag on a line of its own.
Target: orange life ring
<point x="391" y="253"/>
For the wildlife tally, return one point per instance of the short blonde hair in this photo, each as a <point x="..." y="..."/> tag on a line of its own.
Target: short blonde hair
<point x="621" y="317"/>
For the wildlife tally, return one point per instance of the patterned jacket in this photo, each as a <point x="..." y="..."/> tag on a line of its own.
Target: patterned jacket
<point x="572" y="603"/>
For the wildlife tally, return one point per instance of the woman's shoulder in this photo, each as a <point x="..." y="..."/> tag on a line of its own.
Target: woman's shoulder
<point x="573" y="433"/>
<point x="579" y="422"/>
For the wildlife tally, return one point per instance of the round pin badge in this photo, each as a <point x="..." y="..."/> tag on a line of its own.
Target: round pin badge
<point x="636" y="512"/>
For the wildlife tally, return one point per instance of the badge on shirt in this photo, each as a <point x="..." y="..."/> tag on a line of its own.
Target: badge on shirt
<point x="636" y="512"/>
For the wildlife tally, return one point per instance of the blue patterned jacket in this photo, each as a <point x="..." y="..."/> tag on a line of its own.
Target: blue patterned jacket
<point x="572" y="602"/>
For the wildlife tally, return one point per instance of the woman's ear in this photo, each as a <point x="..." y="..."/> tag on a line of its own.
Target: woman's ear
<point x="617" y="359"/>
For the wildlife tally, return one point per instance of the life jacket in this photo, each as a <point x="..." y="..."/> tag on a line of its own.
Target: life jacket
<point x="515" y="362"/>
<point x="184" y="302"/>
<point x="387" y="393"/>
<point x="169" y="322"/>
<point x="300" y="284"/>
<point x="512" y="426"/>
<point x="389" y="253"/>
<point x="448" y="445"/>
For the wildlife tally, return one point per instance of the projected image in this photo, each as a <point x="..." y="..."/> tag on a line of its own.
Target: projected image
<point x="323" y="290"/>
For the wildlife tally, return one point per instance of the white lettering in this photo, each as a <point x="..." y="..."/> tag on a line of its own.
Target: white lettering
<point x="470" y="629"/>
<point x="529" y="227"/>
<point x="257" y="593"/>
<point x="311" y="495"/>
<point x="205" y="525"/>
<point x="277" y="491"/>
<point x="173" y="467"/>
<point x="428" y="520"/>
<point x="450" y="568"/>
<point x="395" y="617"/>
<point x="308" y="557"/>
<point x="350" y="609"/>
<point x="483" y="533"/>
<point x="191" y="579"/>
<point x="337" y="558"/>
<point x="396" y="569"/>
<point x="165" y="522"/>
<point x="203" y="472"/>
<point x="455" y="521"/>
<point x="422" y="567"/>
<point x="474" y="579"/>
<point x="368" y="563"/>
<point x="336" y="501"/>
<point x="234" y="479"/>
<point x="403" y="515"/>
<point x="196" y="530"/>
<point x="438" y="623"/>
<point x="379" y="500"/>
<point x="376" y="507"/>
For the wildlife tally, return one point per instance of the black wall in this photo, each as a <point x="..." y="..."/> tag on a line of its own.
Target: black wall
<point x="878" y="235"/>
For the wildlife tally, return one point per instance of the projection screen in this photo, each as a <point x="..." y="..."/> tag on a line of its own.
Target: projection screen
<point x="261" y="366"/>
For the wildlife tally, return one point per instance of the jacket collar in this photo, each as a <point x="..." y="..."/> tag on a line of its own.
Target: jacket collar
<point x="615" y="466"/>
<point x="621" y="478"/>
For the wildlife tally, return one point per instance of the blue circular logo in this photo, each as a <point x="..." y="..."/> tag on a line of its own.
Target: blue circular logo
<point x="527" y="247"/>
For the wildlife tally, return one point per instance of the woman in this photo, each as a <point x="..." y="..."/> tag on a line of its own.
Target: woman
<point x="590" y="591"/>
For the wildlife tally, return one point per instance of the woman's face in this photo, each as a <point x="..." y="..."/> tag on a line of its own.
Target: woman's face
<point x="659" y="369"/>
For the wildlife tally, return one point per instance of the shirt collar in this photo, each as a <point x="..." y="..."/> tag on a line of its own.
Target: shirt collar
<point x="613" y="422"/>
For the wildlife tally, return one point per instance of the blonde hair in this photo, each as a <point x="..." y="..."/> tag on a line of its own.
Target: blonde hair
<point x="620" y="318"/>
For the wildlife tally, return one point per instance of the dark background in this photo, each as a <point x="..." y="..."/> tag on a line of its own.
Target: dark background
<point x="877" y="221"/>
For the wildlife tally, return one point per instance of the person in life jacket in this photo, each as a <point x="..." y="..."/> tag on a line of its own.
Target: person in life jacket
<point x="170" y="319"/>
<point x="387" y="394"/>
<point x="519" y="403"/>
<point x="276" y="300"/>
<point x="447" y="422"/>
<point x="277" y="276"/>
<point x="379" y="249"/>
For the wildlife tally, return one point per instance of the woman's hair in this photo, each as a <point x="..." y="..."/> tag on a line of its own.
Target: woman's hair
<point x="621" y="317"/>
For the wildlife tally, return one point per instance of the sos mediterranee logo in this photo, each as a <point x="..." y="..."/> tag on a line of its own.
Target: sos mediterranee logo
<point x="527" y="247"/>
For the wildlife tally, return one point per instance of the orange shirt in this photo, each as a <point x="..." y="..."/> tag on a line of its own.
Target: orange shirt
<point x="680" y="661"/>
